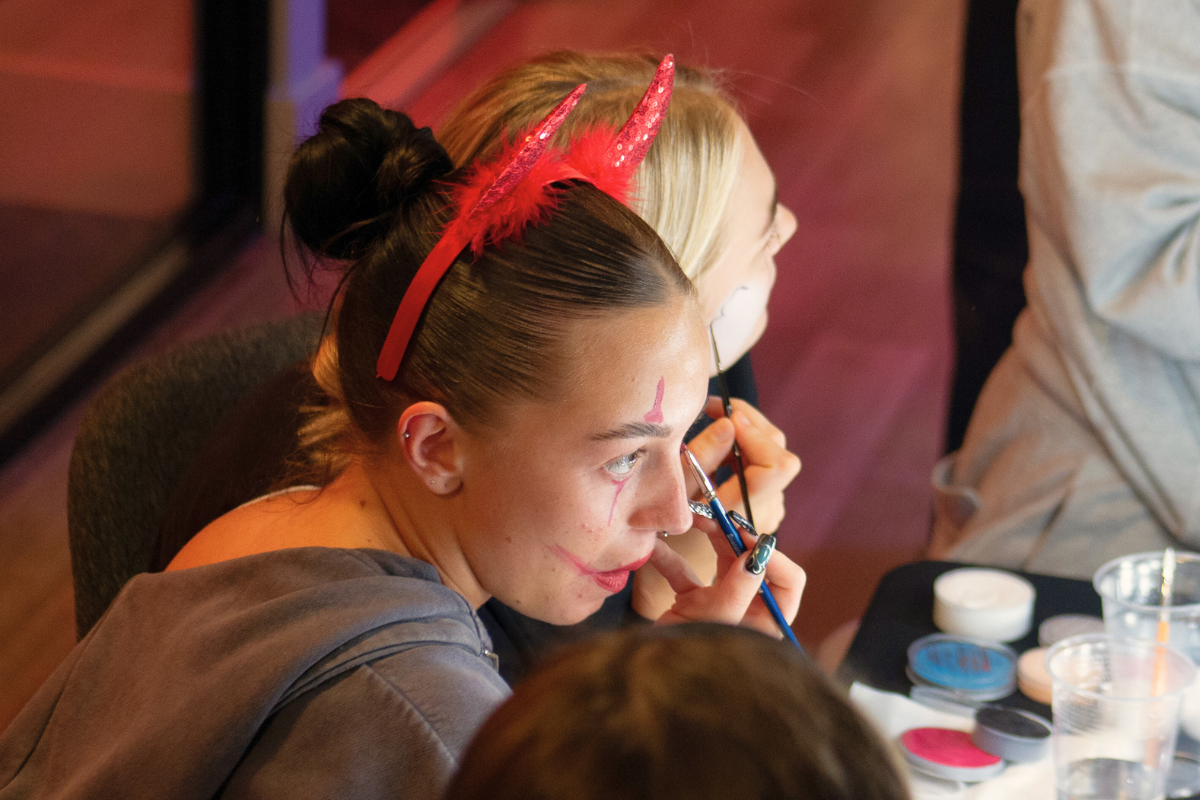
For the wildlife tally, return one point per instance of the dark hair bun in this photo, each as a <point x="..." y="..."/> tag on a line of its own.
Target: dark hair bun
<point x="347" y="182"/>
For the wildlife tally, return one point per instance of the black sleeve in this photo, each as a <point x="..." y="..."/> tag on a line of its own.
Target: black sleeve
<point x="521" y="641"/>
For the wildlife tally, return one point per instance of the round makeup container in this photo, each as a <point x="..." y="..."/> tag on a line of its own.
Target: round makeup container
<point x="1183" y="777"/>
<point x="976" y="670"/>
<point x="948" y="754"/>
<point x="1055" y="629"/>
<point x="983" y="603"/>
<point x="1011" y="734"/>
<point x="927" y="787"/>
<point x="1032" y="677"/>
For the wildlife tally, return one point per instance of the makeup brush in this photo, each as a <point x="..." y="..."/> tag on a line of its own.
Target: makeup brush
<point x="723" y="387"/>
<point x="762" y="551"/>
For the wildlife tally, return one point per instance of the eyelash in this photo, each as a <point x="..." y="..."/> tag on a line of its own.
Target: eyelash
<point x="632" y="458"/>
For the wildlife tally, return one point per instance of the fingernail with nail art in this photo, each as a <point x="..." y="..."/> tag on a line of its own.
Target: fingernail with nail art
<point x="760" y="555"/>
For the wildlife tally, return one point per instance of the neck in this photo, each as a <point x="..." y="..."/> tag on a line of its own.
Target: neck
<point x="413" y="521"/>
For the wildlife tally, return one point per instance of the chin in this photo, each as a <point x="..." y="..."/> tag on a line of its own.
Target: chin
<point x="756" y="333"/>
<point x="563" y="613"/>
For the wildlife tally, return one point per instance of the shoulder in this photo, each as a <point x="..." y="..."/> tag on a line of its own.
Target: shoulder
<point x="387" y="727"/>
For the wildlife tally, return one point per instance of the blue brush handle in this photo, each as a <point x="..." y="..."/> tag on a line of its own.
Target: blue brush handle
<point x="735" y="541"/>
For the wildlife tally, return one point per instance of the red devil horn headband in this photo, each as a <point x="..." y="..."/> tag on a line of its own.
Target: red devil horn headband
<point x="504" y="196"/>
<point x="634" y="139"/>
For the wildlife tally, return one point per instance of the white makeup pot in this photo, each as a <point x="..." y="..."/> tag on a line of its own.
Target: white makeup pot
<point x="984" y="603"/>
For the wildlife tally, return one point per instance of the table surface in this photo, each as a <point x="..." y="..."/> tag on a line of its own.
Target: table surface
<point x="901" y="611"/>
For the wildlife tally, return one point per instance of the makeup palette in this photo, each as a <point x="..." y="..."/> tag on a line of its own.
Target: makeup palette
<point x="1033" y="679"/>
<point x="983" y="603"/>
<point x="1060" y="627"/>
<point x="1011" y="734"/>
<point x="927" y="787"/>
<point x="948" y="754"/>
<point x="975" y="669"/>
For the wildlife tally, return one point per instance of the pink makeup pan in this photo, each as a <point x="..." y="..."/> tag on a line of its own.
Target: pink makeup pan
<point x="948" y="754"/>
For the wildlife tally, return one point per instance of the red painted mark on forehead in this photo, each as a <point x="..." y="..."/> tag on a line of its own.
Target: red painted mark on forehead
<point x="655" y="414"/>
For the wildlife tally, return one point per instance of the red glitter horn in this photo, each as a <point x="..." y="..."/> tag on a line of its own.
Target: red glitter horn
<point x="607" y="160"/>
<point x="635" y="138"/>
<point x="467" y="225"/>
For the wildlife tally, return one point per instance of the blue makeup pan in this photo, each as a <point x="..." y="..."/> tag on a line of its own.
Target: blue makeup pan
<point x="976" y="669"/>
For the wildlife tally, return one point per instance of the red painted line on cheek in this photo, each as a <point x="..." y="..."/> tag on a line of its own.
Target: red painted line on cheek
<point x="620" y="485"/>
<point x="655" y="414"/>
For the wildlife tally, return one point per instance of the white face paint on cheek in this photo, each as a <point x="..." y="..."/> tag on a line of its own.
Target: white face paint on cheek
<point x="735" y="322"/>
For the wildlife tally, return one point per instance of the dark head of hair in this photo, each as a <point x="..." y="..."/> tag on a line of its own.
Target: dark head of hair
<point x="368" y="194"/>
<point x="690" y="712"/>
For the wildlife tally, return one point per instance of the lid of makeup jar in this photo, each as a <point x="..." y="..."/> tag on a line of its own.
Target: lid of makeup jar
<point x="1011" y="734"/>
<point x="978" y="670"/>
<point x="948" y="754"/>
<point x="1033" y="679"/>
<point x="983" y="603"/>
<point x="1062" y="626"/>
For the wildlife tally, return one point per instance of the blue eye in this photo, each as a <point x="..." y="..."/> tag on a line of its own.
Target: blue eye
<point x="623" y="465"/>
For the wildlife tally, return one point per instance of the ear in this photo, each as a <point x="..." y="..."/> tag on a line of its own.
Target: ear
<point x="432" y="443"/>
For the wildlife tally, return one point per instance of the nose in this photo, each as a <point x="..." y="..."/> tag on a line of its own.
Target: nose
<point x="786" y="225"/>
<point x="666" y="501"/>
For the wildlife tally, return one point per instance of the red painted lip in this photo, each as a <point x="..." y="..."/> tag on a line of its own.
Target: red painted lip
<point x="612" y="580"/>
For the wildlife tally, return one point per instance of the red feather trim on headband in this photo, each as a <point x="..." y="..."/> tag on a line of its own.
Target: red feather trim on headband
<point x="528" y="202"/>
<point x="590" y="159"/>
<point x="531" y="199"/>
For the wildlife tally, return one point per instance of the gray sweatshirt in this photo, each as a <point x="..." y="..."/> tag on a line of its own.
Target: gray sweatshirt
<point x="311" y="672"/>
<point x="1085" y="442"/>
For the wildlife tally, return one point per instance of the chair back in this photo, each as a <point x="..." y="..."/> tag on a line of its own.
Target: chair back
<point x="140" y="436"/>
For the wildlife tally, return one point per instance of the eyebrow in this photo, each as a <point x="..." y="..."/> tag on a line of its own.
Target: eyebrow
<point x="634" y="430"/>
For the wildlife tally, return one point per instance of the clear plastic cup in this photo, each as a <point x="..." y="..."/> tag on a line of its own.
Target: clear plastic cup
<point x="1130" y="588"/>
<point x="1116" y="715"/>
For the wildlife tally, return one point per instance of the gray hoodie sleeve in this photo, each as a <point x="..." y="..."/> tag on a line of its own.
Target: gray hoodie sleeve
<point x="1085" y="442"/>
<point x="386" y="729"/>
<point x="1110" y="149"/>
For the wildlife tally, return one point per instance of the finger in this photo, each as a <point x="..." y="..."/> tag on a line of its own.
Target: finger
<point x="674" y="568"/>
<point x="768" y="469"/>
<point x="759" y="420"/>
<point x="720" y="544"/>
<point x="787" y="580"/>
<point x="697" y="550"/>
<point x="711" y="446"/>
<point x="736" y="590"/>
<point x="760" y="450"/>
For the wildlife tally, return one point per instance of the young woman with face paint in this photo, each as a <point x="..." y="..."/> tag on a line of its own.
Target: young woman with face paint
<point x="524" y="445"/>
<point x="706" y="189"/>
